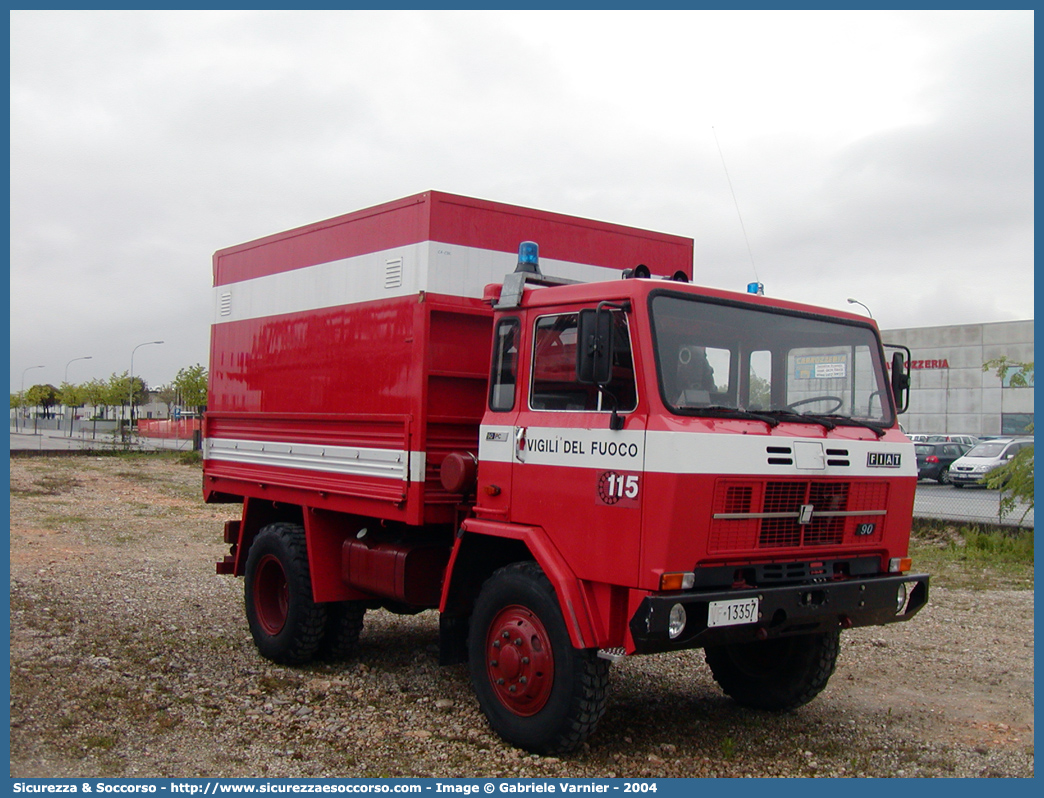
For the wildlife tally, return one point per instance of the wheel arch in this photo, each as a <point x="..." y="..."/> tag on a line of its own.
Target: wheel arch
<point x="483" y="546"/>
<point x="257" y="514"/>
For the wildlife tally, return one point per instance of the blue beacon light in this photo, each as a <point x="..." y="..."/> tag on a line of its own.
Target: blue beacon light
<point x="756" y="288"/>
<point x="528" y="257"/>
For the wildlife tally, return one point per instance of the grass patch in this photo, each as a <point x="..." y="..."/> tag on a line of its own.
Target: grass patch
<point x="979" y="558"/>
<point x="102" y="741"/>
<point x="190" y="458"/>
<point x="54" y="484"/>
<point x="138" y="476"/>
<point x="57" y="522"/>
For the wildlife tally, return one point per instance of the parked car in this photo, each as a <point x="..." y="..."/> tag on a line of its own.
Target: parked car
<point x="967" y="440"/>
<point x="983" y="458"/>
<point x="934" y="460"/>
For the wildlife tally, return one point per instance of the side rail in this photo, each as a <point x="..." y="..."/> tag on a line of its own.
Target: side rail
<point x="353" y="463"/>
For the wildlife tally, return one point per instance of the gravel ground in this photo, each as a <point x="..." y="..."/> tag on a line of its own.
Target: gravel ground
<point x="130" y="657"/>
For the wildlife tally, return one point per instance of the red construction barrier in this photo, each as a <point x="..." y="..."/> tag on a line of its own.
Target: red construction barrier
<point x="181" y="428"/>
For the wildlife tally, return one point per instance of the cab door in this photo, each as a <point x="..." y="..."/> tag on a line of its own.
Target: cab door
<point x="573" y="475"/>
<point x="497" y="432"/>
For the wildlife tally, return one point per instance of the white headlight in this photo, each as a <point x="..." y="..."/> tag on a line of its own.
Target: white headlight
<point x="676" y="621"/>
<point x="900" y="598"/>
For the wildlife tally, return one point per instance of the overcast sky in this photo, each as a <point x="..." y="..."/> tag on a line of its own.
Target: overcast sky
<point x="885" y="156"/>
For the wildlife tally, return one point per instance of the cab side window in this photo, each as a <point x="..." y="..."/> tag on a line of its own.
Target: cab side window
<point x="554" y="385"/>
<point x="505" y="365"/>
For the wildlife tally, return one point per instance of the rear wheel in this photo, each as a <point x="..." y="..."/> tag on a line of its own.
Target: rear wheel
<point x="286" y="624"/>
<point x="944" y="476"/>
<point x="537" y="691"/>
<point x="778" y="674"/>
<point x="344" y="624"/>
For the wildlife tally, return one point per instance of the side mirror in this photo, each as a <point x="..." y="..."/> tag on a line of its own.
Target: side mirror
<point x="900" y="381"/>
<point x="594" y="346"/>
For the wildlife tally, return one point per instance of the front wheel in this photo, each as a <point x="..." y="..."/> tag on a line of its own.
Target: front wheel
<point x="286" y="624"/>
<point x="537" y="691"/>
<point x="778" y="674"/>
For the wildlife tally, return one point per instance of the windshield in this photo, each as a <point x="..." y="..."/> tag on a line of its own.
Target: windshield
<point x="713" y="357"/>
<point x="991" y="450"/>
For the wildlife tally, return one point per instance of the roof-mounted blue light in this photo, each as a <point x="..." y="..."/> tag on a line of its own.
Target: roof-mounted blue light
<point x="528" y="258"/>
<point x="756" y="288"/>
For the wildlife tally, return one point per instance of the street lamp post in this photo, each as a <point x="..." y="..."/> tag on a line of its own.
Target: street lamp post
<point x="864" y="307"/>
<point x="131" y="398"/>
<point x="65" y="381"/>
<point x="22" y="393"/>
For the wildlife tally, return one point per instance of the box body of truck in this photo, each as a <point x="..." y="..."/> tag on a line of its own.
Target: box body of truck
<point x="571" y="467"/>
<point x="349" y="357"/>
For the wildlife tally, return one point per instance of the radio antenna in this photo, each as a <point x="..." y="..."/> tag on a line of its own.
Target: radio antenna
<point x="736" y="203"/>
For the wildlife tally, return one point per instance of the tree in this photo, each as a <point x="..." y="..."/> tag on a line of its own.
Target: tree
<point x="44" y="396"/>
<point x="17" y="403"/>
<point x="760" y="393"/>
<point x="191" y="383"/>
<point x="72" y="396"/>
<point x="118" y="391"/>
<point x="168" y="394"/>
<point x="1019" y="375"/>
<point x="1014" y="479"/>
<point x="95" y="394"/>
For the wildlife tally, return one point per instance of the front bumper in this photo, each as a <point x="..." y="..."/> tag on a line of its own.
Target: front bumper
<point x="784" y="610"/>
<point x="966" y="477"/>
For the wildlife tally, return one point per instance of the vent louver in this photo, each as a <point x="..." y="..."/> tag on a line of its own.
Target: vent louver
<point x="393" y="273"/>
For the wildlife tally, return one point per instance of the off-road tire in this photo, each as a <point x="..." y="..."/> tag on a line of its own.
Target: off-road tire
<point x="777" y="675"/>
<point x="286" y="624"/>
<point x="344" y="624"/>
<point x="561" y="691"/>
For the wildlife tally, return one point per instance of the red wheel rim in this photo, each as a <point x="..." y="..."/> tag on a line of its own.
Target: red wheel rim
<point x="519" y="662"/>
<point x="271" y="595"/>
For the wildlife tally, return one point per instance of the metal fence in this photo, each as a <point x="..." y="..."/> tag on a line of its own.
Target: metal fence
<point x="970" y="504"/>
<point x="86" y="439"/>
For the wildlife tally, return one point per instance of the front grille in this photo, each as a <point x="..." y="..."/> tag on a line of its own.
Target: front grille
<point x="782" y="497"/>
<point x="754" y="516"/>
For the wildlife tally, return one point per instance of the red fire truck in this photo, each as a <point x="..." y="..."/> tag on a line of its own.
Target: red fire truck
<point x="540" y="427"/>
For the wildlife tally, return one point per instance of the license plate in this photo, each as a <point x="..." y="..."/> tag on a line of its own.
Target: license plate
<point x="733" y="612"/>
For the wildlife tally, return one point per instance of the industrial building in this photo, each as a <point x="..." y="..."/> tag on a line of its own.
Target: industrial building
<point x="950" y="393"/>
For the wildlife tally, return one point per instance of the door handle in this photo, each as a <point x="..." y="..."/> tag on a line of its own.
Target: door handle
<point x="520" y="444"/>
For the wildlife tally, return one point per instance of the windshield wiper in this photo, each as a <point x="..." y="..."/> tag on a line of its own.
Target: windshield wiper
<point x="801" y="418"/>
<point x="848" y="421"/>
<point x="827" y="420"/>
<point x="721" y="411"/>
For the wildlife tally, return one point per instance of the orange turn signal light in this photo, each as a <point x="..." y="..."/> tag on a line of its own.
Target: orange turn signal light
<point x="677" y="581"/>
<point x="900" y="565"/>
